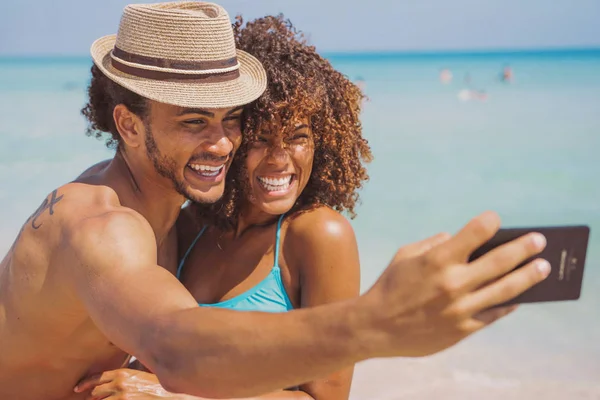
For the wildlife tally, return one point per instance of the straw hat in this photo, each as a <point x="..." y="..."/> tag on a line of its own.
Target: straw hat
<point x="180" y="53"/>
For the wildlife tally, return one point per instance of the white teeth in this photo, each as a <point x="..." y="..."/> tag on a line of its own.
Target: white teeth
<point x="275" y="184"/>
<point x="200" y="167"/>
<point x="207" y="170"/>
<point x="276" y="181"/>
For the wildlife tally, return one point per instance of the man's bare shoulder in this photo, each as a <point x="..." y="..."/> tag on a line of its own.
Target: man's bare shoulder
<point x="74" y="206"/>
<point x="118" y="230"/>
<point x="81" y="225"/>
<point x="79" y="201"/>
<point x="94" y="169"/>
<point x="103" y="232"/>
<point x="66" y="204"/>
<point x="97" y="208"/>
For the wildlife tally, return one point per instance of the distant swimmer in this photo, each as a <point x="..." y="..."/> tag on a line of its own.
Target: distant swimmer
<point x="507" y="74"/>
<point x="445" y="76"/>
<point x="469" y="94"/>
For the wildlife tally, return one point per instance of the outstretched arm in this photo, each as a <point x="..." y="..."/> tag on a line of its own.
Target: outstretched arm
<point x="419" y="306"/>
<point x="204" y="351"/>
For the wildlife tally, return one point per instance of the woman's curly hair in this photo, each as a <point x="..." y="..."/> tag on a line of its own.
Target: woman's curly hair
<point x="300" y="83"/>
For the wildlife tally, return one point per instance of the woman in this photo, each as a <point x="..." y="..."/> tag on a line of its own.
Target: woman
<point x="276" y="240"/>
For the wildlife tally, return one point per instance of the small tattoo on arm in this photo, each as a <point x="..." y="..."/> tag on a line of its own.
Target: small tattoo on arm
<point x="48" y="204"/>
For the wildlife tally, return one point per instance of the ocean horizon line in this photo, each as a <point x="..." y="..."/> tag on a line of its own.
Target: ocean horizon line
<point x="362" y="54"/>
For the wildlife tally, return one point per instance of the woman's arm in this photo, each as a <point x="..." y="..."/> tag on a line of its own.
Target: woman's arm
<point x="321" y="246"/>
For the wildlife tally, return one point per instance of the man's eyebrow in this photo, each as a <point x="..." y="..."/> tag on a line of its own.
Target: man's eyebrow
<point x="196" y="111"/>
<point x="234" y="110"/>
<point x="301" y="127"/>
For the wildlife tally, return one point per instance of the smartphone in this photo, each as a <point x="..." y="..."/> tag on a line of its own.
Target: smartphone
<point x="565" y="250"/>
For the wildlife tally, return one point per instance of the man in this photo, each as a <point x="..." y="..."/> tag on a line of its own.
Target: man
<point x="89" y="278"/>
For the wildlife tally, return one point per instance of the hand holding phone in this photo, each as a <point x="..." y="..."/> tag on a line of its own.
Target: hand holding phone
<point x="565" y="251"/>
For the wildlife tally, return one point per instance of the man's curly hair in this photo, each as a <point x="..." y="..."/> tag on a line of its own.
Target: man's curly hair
<point x="301" y="83"/>
<point x="103" y="96"/>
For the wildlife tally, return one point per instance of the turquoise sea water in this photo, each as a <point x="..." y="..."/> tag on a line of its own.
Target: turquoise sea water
<point x="531" y="152"/>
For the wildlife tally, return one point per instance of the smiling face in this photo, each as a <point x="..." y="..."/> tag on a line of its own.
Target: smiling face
<point x="193" y="148"/>
<point x="278" y="167"/>
<point x="278" y="173"/>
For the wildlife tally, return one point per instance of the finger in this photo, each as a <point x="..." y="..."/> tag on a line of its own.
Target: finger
<point x="507" y="287"/>
<point x="93" y="381"/>
<point x="105" y="396"/>
<point x="418" y="248"/>
<point x="487" y="317"/>
<point x="472" y="236"/>
<point x="504" y="258"/>
<point x="101" y="392"/>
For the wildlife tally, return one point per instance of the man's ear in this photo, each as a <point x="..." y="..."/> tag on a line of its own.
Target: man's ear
<point x="129" y="125"/>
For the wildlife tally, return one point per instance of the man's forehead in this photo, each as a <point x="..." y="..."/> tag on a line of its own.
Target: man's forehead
<point x="209" y="112"/>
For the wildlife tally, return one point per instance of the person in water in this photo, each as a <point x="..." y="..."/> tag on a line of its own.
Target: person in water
<point x="277" y="240"/>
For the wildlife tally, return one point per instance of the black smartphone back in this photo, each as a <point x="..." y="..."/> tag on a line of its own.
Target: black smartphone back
<point x="565" y="250"/>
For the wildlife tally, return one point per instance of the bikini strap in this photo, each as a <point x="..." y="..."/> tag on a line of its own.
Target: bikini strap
<point x="277" y="236"/>
<point x="189" y="250"/>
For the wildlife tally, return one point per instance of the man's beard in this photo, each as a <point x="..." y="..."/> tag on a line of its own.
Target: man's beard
<point x="167" y="167"/>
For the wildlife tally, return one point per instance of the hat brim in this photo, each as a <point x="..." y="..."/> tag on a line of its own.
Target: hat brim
<point x="251" y="83"/>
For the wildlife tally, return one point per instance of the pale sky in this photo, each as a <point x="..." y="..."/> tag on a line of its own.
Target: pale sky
<point x="68" y="27"/>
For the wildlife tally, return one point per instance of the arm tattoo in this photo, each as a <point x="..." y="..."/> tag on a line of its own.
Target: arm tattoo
<point x="48" y="204"/>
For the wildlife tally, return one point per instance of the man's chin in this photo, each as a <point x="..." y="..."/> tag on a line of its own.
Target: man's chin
<point x="209" y="197"/>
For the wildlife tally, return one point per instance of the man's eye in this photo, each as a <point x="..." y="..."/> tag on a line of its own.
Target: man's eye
<point x="194" y="121"/>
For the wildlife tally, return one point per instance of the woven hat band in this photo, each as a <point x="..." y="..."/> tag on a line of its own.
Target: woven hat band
<point x="211" y="77"/>
<point x="206" y="65"/>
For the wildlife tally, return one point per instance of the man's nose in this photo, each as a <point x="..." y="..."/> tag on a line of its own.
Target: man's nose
<point x="218" y="143"/>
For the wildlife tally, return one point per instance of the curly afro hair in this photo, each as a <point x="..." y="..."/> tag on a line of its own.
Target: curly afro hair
<point x="103" y="96"/>
<point x="300" y="83"/>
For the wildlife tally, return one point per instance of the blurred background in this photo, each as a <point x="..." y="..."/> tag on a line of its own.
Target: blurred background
<point x="472" y="105"/>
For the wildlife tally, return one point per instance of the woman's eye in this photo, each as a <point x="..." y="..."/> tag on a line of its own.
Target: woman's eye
<point x="237" y="121"/>
<point x="300" y="137"/>
<point x="258" y="141"/>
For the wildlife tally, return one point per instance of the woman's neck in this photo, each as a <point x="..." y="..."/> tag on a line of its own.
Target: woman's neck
<point x="250" y="217"/>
